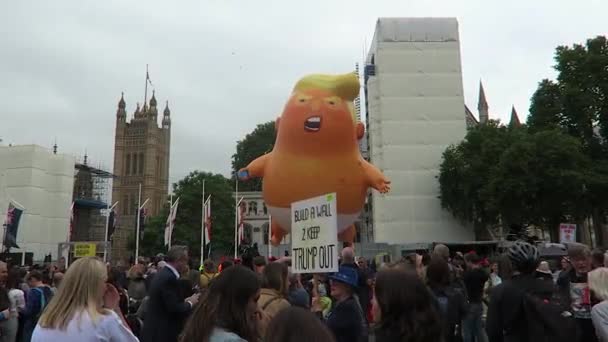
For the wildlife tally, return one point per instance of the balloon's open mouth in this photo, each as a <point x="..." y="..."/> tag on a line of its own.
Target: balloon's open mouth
<point x="313" y="124"/>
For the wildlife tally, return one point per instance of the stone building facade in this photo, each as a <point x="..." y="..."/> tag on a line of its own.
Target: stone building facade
<point x="141" y="156"/>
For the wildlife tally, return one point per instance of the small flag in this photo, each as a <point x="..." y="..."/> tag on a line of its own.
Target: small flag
<point x="71" y="227"/>
<point x="11" y="224"/>
<point x="148" y="78"/>
<point x="207" y="218"/>
<point x="143" y="213"/>
<point x="112" y="223"/>
<point x="241" y="215"/>
<point x="171" y="222"/>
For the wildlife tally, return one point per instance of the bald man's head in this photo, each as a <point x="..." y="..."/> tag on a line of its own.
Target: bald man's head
<point x="348" y="255"/>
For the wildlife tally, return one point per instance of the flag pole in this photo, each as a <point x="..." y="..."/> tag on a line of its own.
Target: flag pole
<point x="146" y="88"/>
<point x="236" y="214"/>
<point x="105" y="241"/>
<point x="170" y="222"/>
<point x="105" y="246"/>
<point x="203" y="225"/>
<point x="138" y="223"/>
<point x="269" y="233"/>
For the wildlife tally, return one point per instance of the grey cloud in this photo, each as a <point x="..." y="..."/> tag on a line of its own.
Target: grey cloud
<point x="227" y="65"/>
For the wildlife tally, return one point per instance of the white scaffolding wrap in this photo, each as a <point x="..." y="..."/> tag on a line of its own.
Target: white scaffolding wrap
<point x="415" y="111"/>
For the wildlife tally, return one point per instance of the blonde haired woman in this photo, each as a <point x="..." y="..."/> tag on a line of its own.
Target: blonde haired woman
<point x="84" y="309"/>
<point x="598" y="284"/>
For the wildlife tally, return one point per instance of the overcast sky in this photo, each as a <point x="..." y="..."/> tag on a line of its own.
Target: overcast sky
<point x="227" y="65"/>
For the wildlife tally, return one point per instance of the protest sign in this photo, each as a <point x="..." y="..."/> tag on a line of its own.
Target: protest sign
<point x="567" y="232"/>
<point x="314" y="242"/>
<point x="82" y="250"/>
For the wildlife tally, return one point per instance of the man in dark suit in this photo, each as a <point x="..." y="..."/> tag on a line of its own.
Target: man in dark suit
<point x="166" y="311"/>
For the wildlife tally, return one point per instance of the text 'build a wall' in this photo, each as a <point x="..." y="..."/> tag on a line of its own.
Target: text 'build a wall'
<point x="314" y="229"/>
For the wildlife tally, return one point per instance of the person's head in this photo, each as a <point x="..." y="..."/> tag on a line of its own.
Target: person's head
<point x="544" y="267"/>
<point x="57" y="278"/>
<point x="137" y="271"/>
<point x="275" y="277"/>
<point x="438" y="273"/>
<point x="82" y="288"/>
<point x="524" y="257"/>
<point x="348" y="255"/>
<point x="209" y="266"/>
<point x="295" y="324"/>
<point x="230" y="303"/>
<point x="259" y="263"/>
<point x="224" y="265"/>
<point x="3" y="272"/>
<point x="580" y="257"/>
<point x="565" y="263"/>
<point x="473" y="260"/>
<point x="343" y="283"/>
<point x="294" y="280"/>
<point x="494" y="267"/>
<point x="362" y="263"/>
<point x="13" y="279"/>
<point x="34" y="279"/>
<point x="597" y="257"/>
<point x="403" y="304"/>
<point x="441" y="251"/>
<point x="177" y="256"/>
<point x="598" y="283"/>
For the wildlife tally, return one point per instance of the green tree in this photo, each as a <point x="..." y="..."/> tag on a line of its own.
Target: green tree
<point x="255" y="144"/>
<point x="540" y="181"/>
<point x="577" y="102"/>
<point x="187" y="229"/>
<point x="466" y="171"/>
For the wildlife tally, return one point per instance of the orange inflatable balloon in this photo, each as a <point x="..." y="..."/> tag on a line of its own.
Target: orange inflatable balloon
<point x="317" y="152"/>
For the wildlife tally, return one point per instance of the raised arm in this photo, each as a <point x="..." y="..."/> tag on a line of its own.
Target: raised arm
<point x="255" y="169"/>
<point x="375" y="178"/>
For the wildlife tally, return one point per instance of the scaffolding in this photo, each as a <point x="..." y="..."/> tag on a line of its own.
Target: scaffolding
<point x="92" y="194"/>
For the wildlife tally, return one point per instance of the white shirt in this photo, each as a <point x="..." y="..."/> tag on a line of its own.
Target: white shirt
<point x="17" y="299"/>
<point x="173" y="270"/>
<point x="109" y="328"/>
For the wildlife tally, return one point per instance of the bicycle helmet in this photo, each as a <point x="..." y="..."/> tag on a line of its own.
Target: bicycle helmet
<point x="524" y="256"/>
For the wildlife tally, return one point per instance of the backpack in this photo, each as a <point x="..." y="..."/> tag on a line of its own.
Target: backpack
<point x="548" y="320"/>
<point x="442" y="304"/>
<point x="43" y="302"/>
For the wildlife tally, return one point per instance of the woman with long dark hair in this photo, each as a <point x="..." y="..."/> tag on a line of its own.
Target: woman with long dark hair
<point x="404" y="309"/>
<point x="229" y="309"/>
<point x="450" y="302"/>
<point x="295" y="324"/>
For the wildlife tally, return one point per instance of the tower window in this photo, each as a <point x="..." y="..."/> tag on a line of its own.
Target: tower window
<point x="141" y="163"/>
<point x="128" y="165"/>
<point x="134" y="169"/>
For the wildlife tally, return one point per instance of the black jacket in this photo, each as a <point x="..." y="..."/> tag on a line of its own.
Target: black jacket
<point x="346" y="321"/>
<point x="456" y="310"/>
<point x="362" y="287"/>
<point x="166" y="310"/>
<point x="506" y="319"/>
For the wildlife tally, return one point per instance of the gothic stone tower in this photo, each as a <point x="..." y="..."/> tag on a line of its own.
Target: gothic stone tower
<point x="141" y="156"/>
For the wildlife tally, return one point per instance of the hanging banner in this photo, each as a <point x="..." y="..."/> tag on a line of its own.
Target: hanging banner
<point x="82" y="250"/>
<point x="567" y="232"/>
<point x="314" y="242"/>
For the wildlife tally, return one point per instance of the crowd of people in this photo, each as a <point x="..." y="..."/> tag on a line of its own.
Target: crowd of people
<point x="441" y="296"/>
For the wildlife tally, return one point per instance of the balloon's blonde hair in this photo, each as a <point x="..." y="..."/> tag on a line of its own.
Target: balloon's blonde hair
<point x="345" y="86"/>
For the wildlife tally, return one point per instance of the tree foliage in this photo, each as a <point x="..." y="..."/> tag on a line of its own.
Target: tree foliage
<point x="515" y="177"/>
<point x="187" y="230"/>
<point x="257" y="143"/>
<point x="466" y="172"/>
<point x="577" y="103"/>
